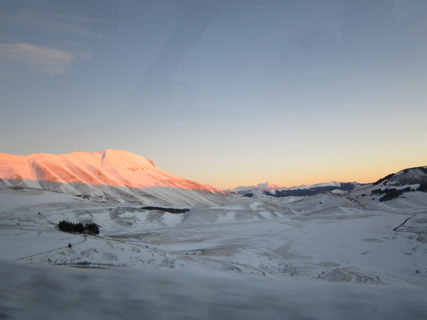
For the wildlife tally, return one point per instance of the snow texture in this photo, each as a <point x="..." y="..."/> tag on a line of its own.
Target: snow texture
<point x="326" y="256"/>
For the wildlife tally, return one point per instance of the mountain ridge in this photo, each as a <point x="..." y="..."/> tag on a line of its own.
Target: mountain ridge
<point x="104" y="174"/>
<point x="116" y="175"/>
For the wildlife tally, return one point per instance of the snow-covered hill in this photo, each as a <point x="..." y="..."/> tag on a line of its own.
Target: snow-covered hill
<point x="109" y="175"/>
<point x="404" y="177"/>
<point x="393" y="187"/>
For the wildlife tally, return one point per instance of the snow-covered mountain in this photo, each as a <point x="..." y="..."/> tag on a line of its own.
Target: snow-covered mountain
<point x="261" y="186"/>
<point x="106" y="175"/>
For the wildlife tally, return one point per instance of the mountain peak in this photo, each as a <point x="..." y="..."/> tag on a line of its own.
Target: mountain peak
<point x="116" y="158"/>
<point x="261" y="186"/>
<point x="269" y="186"/>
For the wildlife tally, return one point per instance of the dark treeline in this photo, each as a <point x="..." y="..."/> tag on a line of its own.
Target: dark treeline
<point x="170" y="210"/>
<point x="71" y="227"/>
<point x="390" y="193"/>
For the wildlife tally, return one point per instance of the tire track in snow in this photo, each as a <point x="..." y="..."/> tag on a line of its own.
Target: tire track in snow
<point x="395" y="229"/>
<point x="62" y="247"/>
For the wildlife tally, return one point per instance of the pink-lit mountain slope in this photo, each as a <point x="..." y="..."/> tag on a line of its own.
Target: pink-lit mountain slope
<point x="106" y="175"/>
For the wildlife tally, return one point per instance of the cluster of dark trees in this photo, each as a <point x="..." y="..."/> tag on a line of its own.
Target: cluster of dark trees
<point x="390" y="193"/>
<point x="90" y="228"/>
<point x="170" y="210"/>
<point x="422" y="187"/>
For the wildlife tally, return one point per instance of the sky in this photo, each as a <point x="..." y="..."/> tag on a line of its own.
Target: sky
<point x="224" y="92"/>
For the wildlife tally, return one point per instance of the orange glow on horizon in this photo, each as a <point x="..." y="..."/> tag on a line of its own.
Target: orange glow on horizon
<point x="288" y="180"/>
<point x="125" y="169"/>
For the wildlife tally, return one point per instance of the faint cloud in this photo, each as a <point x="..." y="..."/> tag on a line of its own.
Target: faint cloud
<point x="40" y="59"/>
<point x="86" y="18"/>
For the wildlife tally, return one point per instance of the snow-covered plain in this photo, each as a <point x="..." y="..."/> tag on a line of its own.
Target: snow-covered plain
<point x="331" y="255"/>
<point x="325" y="256"/>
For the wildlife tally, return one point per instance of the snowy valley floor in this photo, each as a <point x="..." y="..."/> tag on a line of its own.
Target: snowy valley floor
<point x="326" y="256"/>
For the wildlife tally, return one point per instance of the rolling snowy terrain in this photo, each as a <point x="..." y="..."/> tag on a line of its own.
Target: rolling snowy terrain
<point x="334" y="254"/>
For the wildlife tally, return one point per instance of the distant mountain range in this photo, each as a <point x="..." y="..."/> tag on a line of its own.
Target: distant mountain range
<point x="121" y="176"/>
<point x="269" y="189"/>
<point x="391" y="186"/>
<point x="261" y="186"/>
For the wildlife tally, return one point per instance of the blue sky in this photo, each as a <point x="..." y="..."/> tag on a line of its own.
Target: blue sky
<point x="223" y="92"/>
